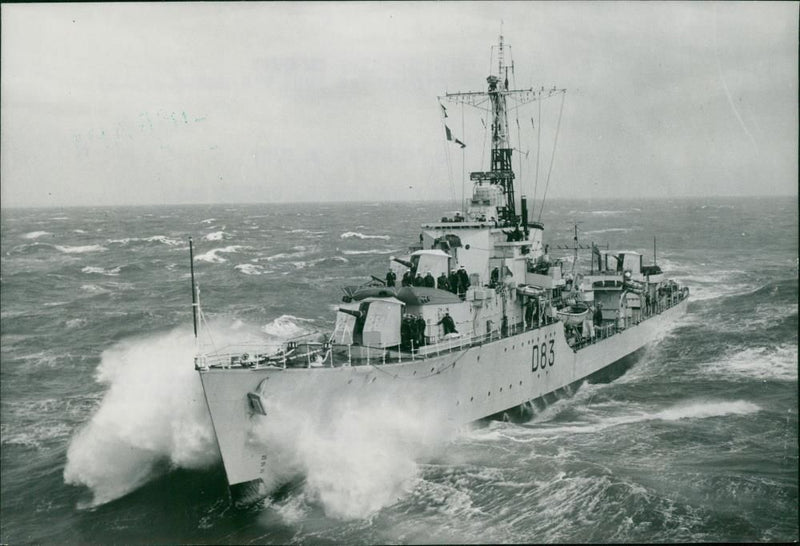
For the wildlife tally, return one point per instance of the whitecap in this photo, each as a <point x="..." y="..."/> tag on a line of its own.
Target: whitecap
<point x="163" y="239"/>
<point x="215" y="236"/>
<point x="286" y="326"/>
<point x="249" y="269"/>
<point x="355" y="234"/>
<point x="76" y="323"/>
<point x="100" y="271"/>
<point x="211" y="255"/>
<point x="300" y="252"/>
<point x="36" y="234"/>
<point x="93" y="289"/>
<point x="760" y="363"/>
<point x="33" y="437"/>
<point x="80" y="249"/>
<point x="372" y="251"/>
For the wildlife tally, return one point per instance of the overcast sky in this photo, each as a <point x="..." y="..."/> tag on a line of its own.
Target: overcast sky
<point x="243" y="102"/>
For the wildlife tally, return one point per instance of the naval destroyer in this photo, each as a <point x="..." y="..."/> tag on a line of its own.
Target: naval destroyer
<point x="477" y="320"/>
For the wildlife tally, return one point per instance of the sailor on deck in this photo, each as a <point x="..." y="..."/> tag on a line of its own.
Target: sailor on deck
<point x="448" y="324"/>
<point x="597" y="316"/>
<point x="463" y="281"/>
<point x="441" y="282"/>
<point x="390" y="278"/>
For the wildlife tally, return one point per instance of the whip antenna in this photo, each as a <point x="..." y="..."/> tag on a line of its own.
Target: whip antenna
<point x="194" y="290"/>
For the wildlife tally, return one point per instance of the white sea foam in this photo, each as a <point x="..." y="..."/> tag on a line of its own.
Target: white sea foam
<point x="35" y="234"/>
<point x="33" y="437"/>
<point x="211" y="255"/>
<point x="76" y="323"/>
<point x="307" y="231"/>
<point x="78" y="231"/>
<point x="208" y="220"/>
<point x="153" y="412"/>
<point x="300" y="251"/>
<point x="287" y="326"/>
<point x="761" y="363"/>
<point x="94" y="289"/>
<point x="355" y="234"/>
<point x="371" y="251"/>
<point x="80" y="249"/>
<point x="100" y="271"/>
<point x="690" y="409"/>
<point x="704" y="410"/>
<point x="215" y="236"/>
<point x="249" y="269"/>
<point x="163" y="239"/>
<point x="607" y="212"/>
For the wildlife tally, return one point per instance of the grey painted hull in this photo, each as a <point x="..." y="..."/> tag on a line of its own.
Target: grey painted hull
<point x="455" y="387"/>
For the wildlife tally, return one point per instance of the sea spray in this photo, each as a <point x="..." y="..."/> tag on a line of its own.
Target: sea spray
<point x="153" y="417"/>
<point x="358" y="454"/>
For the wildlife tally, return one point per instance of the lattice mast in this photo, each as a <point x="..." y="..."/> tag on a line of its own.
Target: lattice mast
<point x="498" y="94"/>
<point x="500" y="172"/>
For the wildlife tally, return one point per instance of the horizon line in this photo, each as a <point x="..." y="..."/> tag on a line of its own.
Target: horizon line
<point x="356" y="201"/>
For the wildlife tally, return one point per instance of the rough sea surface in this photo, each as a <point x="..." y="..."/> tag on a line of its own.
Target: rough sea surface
<point x="106" y="438"/>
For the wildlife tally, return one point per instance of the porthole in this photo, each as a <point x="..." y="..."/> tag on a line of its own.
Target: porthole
<point x="501" y="389"/>
<point x="432" y="369"/>
<point x="510" y="385"/>
<point x="471" y="398"/>
<point x="479" y="358"/>
<point x="520" y="383"/>
<point x="490" y="393"/>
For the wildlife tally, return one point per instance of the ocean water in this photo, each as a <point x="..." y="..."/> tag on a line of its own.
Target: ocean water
<point x="106" y="439"/>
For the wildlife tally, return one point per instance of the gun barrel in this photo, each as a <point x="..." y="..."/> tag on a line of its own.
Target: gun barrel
<point x="351" y="312"/>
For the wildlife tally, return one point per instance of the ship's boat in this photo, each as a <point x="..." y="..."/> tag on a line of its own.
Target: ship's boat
<point x="573" y="315"/>
<point x="501" y="325"/>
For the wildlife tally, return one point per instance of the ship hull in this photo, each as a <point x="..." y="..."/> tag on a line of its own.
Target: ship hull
<point x="456" y="388"/>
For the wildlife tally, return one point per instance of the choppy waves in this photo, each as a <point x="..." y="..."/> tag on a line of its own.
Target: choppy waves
<point x="212" y="255"/>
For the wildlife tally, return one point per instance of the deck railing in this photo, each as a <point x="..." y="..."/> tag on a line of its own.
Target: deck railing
<point x="331" y="355"/>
